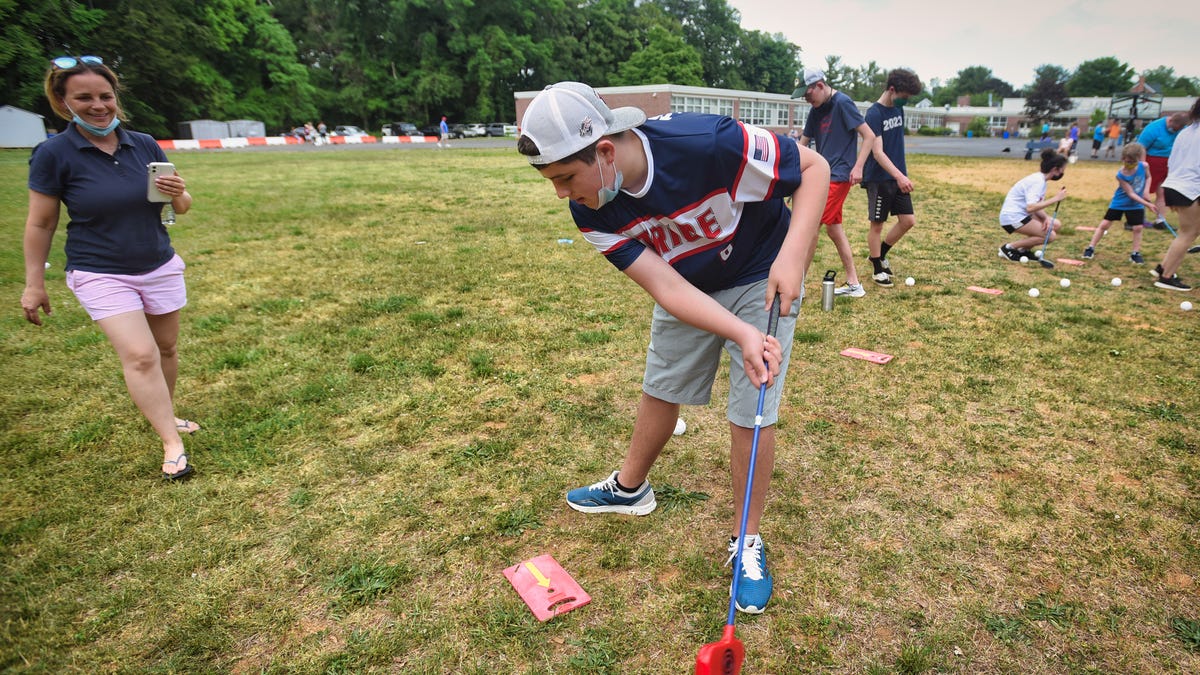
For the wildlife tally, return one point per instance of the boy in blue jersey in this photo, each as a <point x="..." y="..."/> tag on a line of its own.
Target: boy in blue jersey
<point x="885" y="174"/>
<point x="691" y="208"/>
<point x="833" y="123"/>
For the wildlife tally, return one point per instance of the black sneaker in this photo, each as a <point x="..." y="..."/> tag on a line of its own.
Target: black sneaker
<point x="1010" y="253"/>
<point x="1157" y="271"/>
<point x="1159" y="225"/>
<point x="1136" y="258"/>
<point x="1172" y="284"/>
<point x="1089" y="253"/>
<point x="1194" y="249"/>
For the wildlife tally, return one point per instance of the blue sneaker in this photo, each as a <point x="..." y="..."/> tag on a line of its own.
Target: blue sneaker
<point x="754" y="581"/>
<point x="606" y="497"/>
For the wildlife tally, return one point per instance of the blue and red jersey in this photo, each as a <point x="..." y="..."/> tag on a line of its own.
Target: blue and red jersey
<point x="712" y="205"/>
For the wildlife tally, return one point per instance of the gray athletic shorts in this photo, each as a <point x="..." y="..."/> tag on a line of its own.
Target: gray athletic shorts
<point x="681" y="361"/>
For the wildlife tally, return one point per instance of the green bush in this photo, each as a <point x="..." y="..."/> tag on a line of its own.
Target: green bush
<point x="978" y="126"/>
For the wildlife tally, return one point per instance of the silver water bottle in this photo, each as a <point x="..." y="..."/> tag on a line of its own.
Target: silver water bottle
<point x="827" y="291"/>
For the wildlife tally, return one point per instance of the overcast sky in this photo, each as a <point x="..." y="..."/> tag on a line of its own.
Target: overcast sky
<point x="940" y="38"/>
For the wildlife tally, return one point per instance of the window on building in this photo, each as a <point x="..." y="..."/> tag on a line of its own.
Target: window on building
<point x="764" y="113"/>
<point x="702" y="104"/>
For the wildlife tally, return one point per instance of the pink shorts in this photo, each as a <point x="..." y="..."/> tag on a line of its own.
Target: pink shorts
<point x="161" y="291"/>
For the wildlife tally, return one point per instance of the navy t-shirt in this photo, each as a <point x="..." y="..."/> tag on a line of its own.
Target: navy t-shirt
<point x="888" y="123"/>
<point x="113" y="228"/>
<point x="834" y="127"/>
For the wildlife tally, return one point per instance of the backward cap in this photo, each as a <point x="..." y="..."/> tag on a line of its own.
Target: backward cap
<point x="567" y="117"/>
<point x="809" y="77"/>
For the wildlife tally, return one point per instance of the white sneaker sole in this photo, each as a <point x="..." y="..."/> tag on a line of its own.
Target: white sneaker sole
<point x="631" y="510"/>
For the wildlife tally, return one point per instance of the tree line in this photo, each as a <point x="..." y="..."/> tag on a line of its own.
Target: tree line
<point x="368" y="62"/>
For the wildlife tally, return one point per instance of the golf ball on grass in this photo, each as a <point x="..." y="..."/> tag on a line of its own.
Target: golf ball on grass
<point x="1038" y="253"/>
<point x="1065" y="283"/>
<point x="1024" y="259"/>
<point x="1116" y="281"/>
<point x="1033" y="292"/>
<point x="910" y="281"/>
<point x="680" y="426"/>
<point x="1185" y="306"/>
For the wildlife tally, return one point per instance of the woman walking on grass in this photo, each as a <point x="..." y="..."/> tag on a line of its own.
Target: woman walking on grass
<point x="120" y="263"/>
<point x="1181" y="192"/>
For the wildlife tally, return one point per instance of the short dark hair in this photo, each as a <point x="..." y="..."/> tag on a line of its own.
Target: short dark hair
<point x="1051" y="160"/>
<point x="905" y="80"/>
<point x="527" y="147"/>
<point x="1194" y="113"/>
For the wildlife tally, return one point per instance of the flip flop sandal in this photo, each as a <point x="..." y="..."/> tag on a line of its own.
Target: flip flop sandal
<point x="188" y="427"/>
<point x="182" y="473"/>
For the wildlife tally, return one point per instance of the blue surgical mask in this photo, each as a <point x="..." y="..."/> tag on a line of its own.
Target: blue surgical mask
<point x="99" y="131"/>
<point x="605" y="195"/>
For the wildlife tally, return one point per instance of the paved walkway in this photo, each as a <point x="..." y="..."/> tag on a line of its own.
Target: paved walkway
<point x="984" y="147"/>
<point x="949" y="146"/>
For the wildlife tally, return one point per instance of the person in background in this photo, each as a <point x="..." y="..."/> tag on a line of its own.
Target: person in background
<point x="1097" y="139"/>
<point x="836" y="126"/>
<point x="120" y="263"/>
<point x="1113" y="138"/>
<point x="1181" y="191"/>
<point x="889" y="190"/>
<point x="444" y="129"/>
<point x="1158" y="138"/>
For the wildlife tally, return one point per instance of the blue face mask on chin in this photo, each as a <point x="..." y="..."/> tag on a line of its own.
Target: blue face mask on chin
<point x="605" y="195"/>
<point x="99" y="131"/>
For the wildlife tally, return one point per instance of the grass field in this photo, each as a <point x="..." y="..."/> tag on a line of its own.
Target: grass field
<point x="400" y="370"/>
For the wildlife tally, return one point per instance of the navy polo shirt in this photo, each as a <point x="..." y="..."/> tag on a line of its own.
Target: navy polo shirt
<point x="113" y="228"/>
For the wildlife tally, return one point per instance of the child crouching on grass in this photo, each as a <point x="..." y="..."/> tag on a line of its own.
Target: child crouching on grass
<point x="1024" y="210"/>
<point x="1129" y="201"/>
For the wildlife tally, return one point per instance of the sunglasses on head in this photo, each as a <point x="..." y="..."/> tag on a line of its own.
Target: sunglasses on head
<point x="64" y="62"/>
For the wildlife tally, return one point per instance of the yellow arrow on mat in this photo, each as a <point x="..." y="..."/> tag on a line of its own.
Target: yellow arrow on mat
<point x="537" y="574"/>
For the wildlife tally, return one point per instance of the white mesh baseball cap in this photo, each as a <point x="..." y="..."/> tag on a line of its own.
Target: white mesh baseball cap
<point x="566" y="117"/>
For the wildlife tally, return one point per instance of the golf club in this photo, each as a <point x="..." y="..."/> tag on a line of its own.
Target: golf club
<point x="725" y="656"/>
<point x="1049" y="228"/>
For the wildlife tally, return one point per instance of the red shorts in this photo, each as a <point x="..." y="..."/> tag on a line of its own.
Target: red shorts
<point x="833" y="205"/>
<point x="1158" y="171"/>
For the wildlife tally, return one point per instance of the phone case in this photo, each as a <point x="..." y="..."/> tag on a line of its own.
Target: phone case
<point x="154" y="169"/>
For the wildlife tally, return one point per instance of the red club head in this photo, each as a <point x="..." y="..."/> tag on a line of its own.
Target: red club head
<point x="723" y="657"/>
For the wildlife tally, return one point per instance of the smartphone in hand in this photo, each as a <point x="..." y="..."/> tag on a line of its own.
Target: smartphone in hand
<point x="153" y="170"/>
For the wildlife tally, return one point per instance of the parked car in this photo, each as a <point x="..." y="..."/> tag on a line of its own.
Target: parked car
<point x="458" y="131"/>
<point x="431" y="130"/>
<point x="348" y="130"/>
<point x="473" y="130"/>
<point x="497" y="129"/>
<point x="401" y="129"/>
